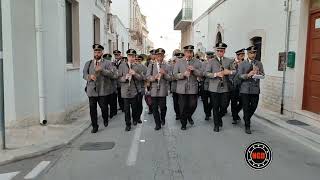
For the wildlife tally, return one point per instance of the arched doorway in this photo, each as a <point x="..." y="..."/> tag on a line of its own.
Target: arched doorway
<point x="257" y="42"/>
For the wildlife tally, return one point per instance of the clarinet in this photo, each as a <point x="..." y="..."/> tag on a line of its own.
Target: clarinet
<point x="221" y="79"/>
<point x="188" y="78"/>
<point x="130" y="76"/>
<point x="158" y="85"/>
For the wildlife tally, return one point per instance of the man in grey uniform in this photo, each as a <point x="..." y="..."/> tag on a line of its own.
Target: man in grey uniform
<point x="175" y="96"/>
<point x="158" y="75"/>
<point x="118" y="60"/>
<point x="250" y="71"/>
<point x="218" y="71"/>
<point x="186" y="71"/>
<point x="207" y="105"/>
<point x="113" y="99"/>
<point x="129" y="76"/>
<point x="236" y="103"/>
<point x="143" y="70"/>
<point x="98" y="74"/>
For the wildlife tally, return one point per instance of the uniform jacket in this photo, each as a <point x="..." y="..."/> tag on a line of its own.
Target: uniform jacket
<point x="173" y="80"/>
<point x="216" y="84"/>
<point x="143" y="69"/>
<point x="206" y="80"/>
<point x="234" y="78"/>
<point x="132" y="89"/>
<point x="249" y="85"/>
<point x="103" y="86"/>
<point x="117" y="64"/>
<point x="164" y="81"/>
<point x="185" y="86"/>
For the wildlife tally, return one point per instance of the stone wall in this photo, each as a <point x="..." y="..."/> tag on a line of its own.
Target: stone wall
<point x="270" y="97"/>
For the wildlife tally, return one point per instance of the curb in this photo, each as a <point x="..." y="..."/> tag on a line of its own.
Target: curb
<point x="31" y="151"/>
<point x="296" y="133"/>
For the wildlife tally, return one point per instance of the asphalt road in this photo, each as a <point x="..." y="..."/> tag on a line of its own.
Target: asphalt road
<point x="172" y="154"/>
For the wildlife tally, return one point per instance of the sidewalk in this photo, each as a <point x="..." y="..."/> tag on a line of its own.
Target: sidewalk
<point x="307" y="133"/>
<point x="37" y="140"/>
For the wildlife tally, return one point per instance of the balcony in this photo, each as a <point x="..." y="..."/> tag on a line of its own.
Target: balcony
<point x="183" y="19"/>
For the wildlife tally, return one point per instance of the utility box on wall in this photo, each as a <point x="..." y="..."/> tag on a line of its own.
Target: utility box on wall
<point x="291" y="59"/>
<point x="282" y="59"/>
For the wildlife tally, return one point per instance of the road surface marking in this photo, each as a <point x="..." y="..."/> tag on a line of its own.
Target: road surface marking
<point x="37" y="170"/>
<point x="8" y="176"/>
<point x="142" y="140"/>
<point x="132" y="156"/>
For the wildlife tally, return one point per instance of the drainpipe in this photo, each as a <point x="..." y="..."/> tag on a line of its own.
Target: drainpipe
<point x="288" y="19"/>
<point x="39" y="30"/>
<point x="2" y="116"/>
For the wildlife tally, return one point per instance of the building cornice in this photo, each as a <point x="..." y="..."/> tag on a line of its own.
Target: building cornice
<point x="208" y="11"/>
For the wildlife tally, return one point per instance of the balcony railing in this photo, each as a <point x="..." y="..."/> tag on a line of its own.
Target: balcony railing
<point x="184" y="15"/>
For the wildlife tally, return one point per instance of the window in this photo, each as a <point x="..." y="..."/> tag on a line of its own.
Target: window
<point x="96" y="30"/>
<point x="72" y="32"/>
<point x="257" y="42"/>
<point x="69" y="32"/>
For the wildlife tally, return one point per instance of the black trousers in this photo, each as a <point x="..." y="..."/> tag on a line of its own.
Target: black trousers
<point x="187" y="105"/>
<point x="130" y="103"/>
<point x="120" y="99"/>
<point x="175" y="97"/>
<point x="159" y="103"/>
<point x="207" y="105"/>
<point x="139" y="104"/>
<point x="113" y="104"/>
<point x="249" y="104"/>
<point x="103" y="103"/>
<point x="236" y="103"/>
<point x="220" y="102"/>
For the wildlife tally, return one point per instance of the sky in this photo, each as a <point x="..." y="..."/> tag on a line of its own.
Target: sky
<point x="160" y="17"/>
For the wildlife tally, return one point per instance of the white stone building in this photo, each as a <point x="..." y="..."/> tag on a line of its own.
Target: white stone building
<point x="47" y="70"/>
<point x="130" y="15"/>
<point x="116" y="32"/>
<point x="263" y="23"/>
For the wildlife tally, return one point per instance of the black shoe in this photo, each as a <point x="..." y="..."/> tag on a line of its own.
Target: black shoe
<point x="207" y="118"/>
<point x="150" y="112"/>
<point x="248" y="131"/>
<point x="128" y="128"/>
<point x="183" y="128"/>
<point x="106" y="123"/>
<point x="163" y="122"/>
<point x="95" y="129"/>
<point x="235" y="122"/>
<point x="139" y="121"/>
<point x="135" y="123"/>
<point x="216" y="129"/>
<point x="191" y="121"/>
<point x="157" y="128"/>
